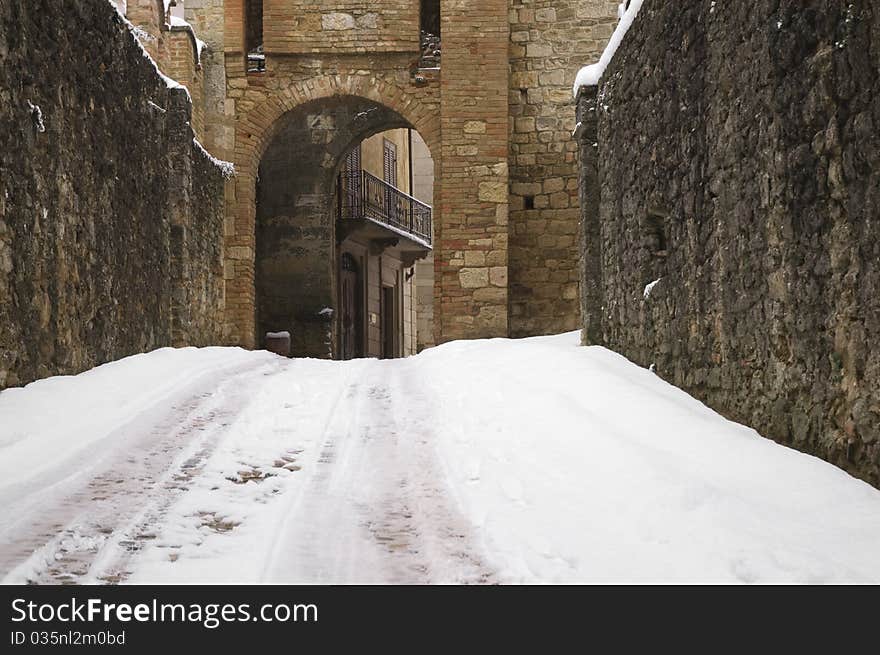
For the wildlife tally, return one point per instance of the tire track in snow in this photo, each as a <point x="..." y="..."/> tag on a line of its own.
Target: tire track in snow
<point x="88" y="527"/>
<point x="376" y="508"/>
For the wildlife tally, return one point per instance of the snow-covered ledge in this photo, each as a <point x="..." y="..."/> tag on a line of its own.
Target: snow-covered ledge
<point x="590" y="75"/>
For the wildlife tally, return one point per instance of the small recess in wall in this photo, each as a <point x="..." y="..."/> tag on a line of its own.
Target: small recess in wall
<point x="654" y="232"/>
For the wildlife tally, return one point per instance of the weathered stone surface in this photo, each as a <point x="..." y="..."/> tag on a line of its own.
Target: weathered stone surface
<point x="739" y="162"/>
<point x="369" y="21"/>
<point x="337" y="21"/>
<point x="493" y="191"/>
<point x="473" y="278"/>
<point x="475" y="127"/>
<point x="110" y="216"/>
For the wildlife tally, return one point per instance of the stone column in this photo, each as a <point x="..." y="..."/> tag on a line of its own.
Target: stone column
<point x="209" y="23"/>
<point x="471" y="250"/>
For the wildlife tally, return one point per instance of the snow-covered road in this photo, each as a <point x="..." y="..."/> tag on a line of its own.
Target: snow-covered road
<point x="259" y="470"/>
<point x="476" y="462"/>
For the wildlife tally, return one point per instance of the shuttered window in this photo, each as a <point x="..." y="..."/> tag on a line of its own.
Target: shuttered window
<point x="390" y="163"/>
<point x="353" y="160"/>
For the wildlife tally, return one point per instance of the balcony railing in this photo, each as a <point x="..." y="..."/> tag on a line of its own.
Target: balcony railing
<point x="362" y="195"/>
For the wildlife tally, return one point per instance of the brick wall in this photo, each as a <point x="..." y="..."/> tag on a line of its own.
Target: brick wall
<point x="506" y="127"/>
<point x="209" y="22"/>
<point x="470" y="255"/>
<point x="149" y="17"/>
<point x="306" y="26"/>
<point x="180" y="60"/>
<point x="549" y="41"/>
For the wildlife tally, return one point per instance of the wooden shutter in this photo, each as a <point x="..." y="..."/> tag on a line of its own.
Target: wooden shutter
<point x="353" y="160"/>
<point x="389" y="163"/>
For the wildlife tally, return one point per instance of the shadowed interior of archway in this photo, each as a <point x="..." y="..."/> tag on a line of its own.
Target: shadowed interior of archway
<point x="295" y="267"/>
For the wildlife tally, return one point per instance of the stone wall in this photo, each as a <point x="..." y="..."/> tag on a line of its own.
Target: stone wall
<point x="110" y="216"/>
<point x="549" y="41"/>
<point x="174" y="46"/>
<point x="739" y="165"/>
<point x="306" y="26"/>
<point x="497" y="116"/>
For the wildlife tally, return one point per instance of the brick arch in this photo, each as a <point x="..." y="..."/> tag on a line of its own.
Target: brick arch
<point x="255" y="130"/>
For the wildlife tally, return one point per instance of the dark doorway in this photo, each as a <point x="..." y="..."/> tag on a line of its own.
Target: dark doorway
<point x="352" y="317"/>
<point x="389" y="324"/>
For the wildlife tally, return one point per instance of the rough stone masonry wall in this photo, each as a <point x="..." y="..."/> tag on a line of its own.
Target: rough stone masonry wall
<point x="549" y="41"/>
<point x="739" y="164"/>
<point x="107" y="209"/>
<point x="173" y="47"/>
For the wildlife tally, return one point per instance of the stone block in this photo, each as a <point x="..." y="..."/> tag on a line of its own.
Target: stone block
<point x="473" y="278"/>
<point x="494" y="191"/>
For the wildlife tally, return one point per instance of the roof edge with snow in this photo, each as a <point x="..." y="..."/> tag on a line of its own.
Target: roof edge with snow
<point x="180" y="25"/>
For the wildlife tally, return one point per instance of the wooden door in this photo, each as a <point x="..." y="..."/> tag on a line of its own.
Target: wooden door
<point x="352" y="317"/>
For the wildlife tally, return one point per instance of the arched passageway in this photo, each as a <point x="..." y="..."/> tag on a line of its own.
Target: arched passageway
<point x="337" y="240"/>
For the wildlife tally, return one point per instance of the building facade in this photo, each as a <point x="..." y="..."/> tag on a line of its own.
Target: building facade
<point x="384" y="231"/>
<point x="287" y="88"/>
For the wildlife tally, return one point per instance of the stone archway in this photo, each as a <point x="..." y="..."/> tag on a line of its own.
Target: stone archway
<point x="255" y="131"/>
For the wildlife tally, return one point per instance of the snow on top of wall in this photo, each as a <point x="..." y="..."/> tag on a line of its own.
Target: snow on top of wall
<point x="590" y="75"/>
<point x="179" y="23"/>
<point x="226" y="168"/>
<point x="133" y="31"/>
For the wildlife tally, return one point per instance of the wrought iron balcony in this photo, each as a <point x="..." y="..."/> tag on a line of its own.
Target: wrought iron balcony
<point x="364" y="196"/>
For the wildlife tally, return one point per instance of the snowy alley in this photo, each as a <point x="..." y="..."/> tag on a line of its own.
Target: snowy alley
<point x="475" y="462"/>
